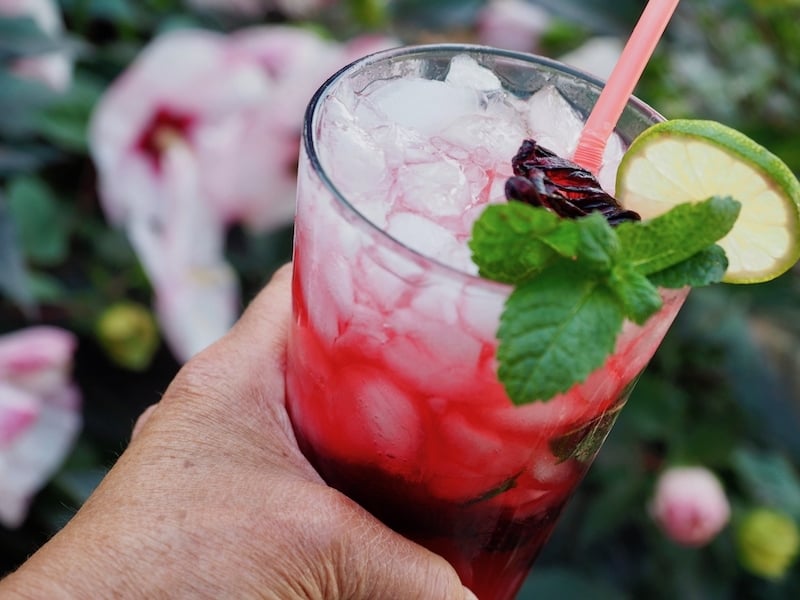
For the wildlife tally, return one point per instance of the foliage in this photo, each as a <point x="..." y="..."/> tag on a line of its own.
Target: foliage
<point x="722" y="391"/>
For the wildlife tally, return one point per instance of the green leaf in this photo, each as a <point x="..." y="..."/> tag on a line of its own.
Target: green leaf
<point x="770" y="478"/>
<point x="555" y="330"/>
<point x="678" y="234"/>
<point x="613" y="505"/>
<point x="656" y="408"/>
<point x="566" y="584"/>
<point x="65" y="121"/>
<point x="78" y="484"/>
<point x="598" y="245"/>
<point x="704" y="268"/>
<point x="39" y="219"/>
<point x="24" y="158"/>
<point x="20" y="102"/>
<point x="506" y="242"/>
<point x="14" y="282"/>
<point x="449" y="14"/>
<point x="513" y="241"/>
<point x="46" y="288"/>
<point x="503" y="487"/>
<point x="369" y="13"/>
<point x="22" y="36"/>
<point x="584" y="443"/>
<point x="638" y="296"/>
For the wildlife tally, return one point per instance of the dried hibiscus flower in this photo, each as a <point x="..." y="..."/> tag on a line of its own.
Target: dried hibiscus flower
<point x="541" y="178"/>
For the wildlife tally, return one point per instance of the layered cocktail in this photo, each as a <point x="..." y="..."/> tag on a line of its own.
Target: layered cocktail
<point x="392" y="382"/>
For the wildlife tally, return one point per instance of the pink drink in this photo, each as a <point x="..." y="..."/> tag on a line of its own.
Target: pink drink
<point x="392" y="385"/>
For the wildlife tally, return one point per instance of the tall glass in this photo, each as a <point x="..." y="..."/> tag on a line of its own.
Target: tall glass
<point x="391" y="384"/>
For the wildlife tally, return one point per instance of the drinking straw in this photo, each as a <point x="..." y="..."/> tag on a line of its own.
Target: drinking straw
<point x="620" y="84"/>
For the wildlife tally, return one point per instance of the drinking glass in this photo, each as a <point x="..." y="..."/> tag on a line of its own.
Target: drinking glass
<point x="391" y="384"/>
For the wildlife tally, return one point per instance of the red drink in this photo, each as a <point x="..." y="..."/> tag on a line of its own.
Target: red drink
<point x="392" y="385"/>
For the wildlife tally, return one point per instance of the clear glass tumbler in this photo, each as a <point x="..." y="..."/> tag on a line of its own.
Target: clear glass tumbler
<point x="391" y="383"/>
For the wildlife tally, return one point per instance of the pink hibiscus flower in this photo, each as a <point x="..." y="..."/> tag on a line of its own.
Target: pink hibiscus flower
<point x="200" y="132"/>
<point x="39" y="414"/>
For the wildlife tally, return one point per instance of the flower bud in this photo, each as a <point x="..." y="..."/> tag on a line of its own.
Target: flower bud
<point x="690" y="506"/>
<point x="767" y="542"/>
<point x="129" y="334"/>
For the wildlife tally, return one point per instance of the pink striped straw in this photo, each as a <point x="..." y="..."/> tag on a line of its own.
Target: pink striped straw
<point x="620" y="84"/>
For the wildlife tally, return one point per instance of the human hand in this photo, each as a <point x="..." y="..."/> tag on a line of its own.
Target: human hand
<point x="213" y="499"/>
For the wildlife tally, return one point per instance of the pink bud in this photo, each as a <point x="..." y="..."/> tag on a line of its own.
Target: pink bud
<point x="689" y="505"/>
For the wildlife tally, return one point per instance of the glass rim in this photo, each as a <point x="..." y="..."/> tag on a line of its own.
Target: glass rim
<point x="309" y="120"/>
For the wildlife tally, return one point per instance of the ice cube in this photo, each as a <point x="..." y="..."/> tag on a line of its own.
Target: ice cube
<point x="424" y="105"/>
<point x="349" y="154"/>
<point x="382" y="420"/>
<point x="550" y="470"/>
<point x="468" y="460"/>
<point x="424" y="235"/>
<point x="430" y="356"/>
<point x="338" y="276"/>
<point x="557" y="126"/>
<point x="479" y="309"/>
<point x="437" y="303"/>
<point x="607" y="177"/>
<point x="553" y="122"/>
<point x="378" y="288"/>
<point x="433" y="189"/>
<point x="465" y="71"/>
<point x="489" y="140"/>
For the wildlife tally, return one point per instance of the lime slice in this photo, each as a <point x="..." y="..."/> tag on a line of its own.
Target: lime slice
<point x="689" y="160"/>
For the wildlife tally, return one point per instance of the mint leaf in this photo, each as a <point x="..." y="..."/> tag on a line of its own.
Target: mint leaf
<point x="504" y="486"/>
<point x="598" y="244"/>
<point x="506" y="242"/>
<point x="576" y="280"/>
<point x="677" y="235"/>
<point x="638" y="296"/>
<point x="584" y="443"/>
<point x="704" y="268"/>
<point x="556" y="329"/>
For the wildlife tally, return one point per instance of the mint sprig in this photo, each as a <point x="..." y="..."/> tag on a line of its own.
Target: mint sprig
<point x="576" y="281"/>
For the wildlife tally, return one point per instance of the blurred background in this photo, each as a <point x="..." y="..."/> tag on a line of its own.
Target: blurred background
<point x="118" y="261"/>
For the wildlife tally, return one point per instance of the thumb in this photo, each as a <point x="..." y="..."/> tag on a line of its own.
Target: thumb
<point x="391" y="566"/>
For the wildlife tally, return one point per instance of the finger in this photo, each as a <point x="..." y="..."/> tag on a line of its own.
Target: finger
<point x="266" y="320"/>
<point x="258" y="340"/>
<point x="252" y="353"/>
<point x="393" y="567"/>
<point x="238" y="381"/>
<point x="419" y="574"/>
<point x="142" y="420"/>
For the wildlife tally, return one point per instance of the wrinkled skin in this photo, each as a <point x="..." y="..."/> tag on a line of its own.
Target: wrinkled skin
<point x="213" y="499"/>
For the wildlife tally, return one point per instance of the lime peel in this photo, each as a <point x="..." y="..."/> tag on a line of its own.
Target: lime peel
<point x="685" y="160"/>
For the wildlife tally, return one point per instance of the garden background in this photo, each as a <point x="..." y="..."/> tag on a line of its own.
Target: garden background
<point x="90" y="90"/>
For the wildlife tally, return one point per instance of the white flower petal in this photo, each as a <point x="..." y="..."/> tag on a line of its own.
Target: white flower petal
<point x="36" y="453"/>
<point x="198" y="307"/>
<point x="18" y="409"/>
